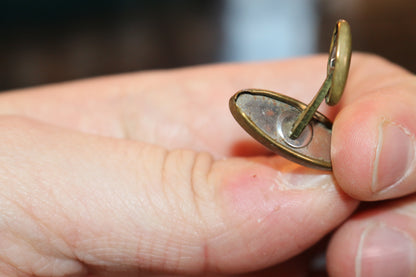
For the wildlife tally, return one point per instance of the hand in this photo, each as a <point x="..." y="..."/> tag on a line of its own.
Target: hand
<point x="149" y="173"/>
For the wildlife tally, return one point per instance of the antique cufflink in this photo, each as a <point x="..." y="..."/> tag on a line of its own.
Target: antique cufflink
<point x="287" y="126"/>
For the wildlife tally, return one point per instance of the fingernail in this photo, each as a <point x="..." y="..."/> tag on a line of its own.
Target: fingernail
<point x="394" y="155"/>
<point x="384" y="252"/>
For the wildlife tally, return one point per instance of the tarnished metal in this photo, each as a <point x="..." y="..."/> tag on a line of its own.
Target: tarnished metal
<point x="288" y="126"/>
<point x="269" y="116"/>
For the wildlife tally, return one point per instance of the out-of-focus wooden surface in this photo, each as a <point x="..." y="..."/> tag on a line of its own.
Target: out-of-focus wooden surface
<point x="384" y="27"/>
<point x="50" y="41"/>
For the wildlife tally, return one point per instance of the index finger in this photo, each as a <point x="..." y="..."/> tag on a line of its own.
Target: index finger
<point x="179" y="108"/>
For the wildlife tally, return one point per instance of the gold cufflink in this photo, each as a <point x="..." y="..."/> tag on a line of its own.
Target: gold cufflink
<point x="289" y="127"/>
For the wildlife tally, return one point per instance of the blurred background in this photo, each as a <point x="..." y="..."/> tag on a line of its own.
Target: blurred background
<point x="48" y="41"/>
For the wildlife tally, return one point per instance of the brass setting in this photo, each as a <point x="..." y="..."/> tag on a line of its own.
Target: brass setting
<point x="337" y="73"/>
<point x="289" y="127"/>
<point x="339" y="61"/>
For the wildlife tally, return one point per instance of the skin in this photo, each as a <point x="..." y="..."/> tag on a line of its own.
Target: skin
<point x="148" y="174"/>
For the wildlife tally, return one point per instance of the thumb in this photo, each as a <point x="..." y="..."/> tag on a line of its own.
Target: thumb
<point x="73" y="203"/>
<point x="374" y="145"/>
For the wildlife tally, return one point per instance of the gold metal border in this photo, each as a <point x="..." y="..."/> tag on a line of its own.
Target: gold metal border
<point x="341" y="39"/>
<point x="267" y="141"/>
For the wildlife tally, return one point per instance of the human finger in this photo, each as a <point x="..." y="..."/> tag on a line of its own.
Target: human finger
<point x="73" y="203"/>
<point x="378" y="242"/>
<point x="176" y="108"/>
<point x="373" y="142"/>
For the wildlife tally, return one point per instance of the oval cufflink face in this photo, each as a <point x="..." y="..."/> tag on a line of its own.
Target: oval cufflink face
<point x="268" y="117"/>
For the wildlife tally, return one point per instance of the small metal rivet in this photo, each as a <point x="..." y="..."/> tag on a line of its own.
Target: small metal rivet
<point x="285" y="124"/>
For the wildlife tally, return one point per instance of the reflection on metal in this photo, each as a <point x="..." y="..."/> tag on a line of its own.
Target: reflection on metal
<point x="286" y="125"/>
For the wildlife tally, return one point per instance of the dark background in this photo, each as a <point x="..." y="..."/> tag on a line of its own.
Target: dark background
<point x="51" y="41"/>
